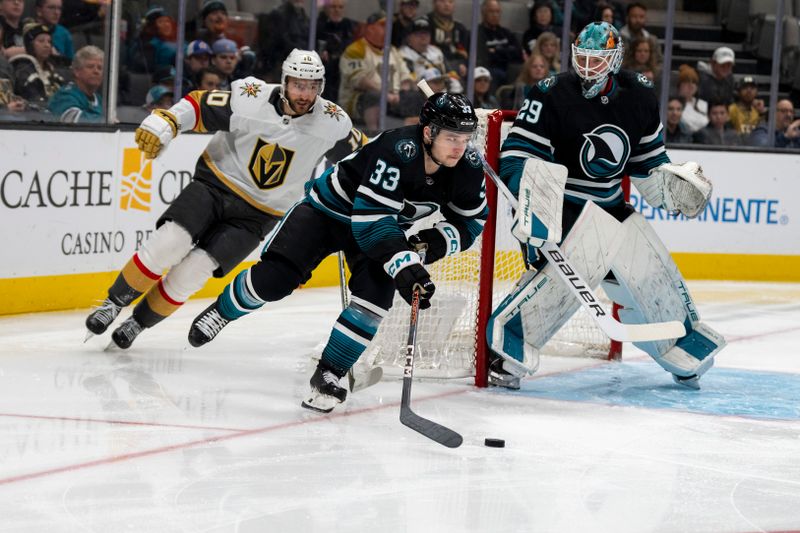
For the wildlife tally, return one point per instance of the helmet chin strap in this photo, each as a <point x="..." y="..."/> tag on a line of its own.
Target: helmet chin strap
<point x="428" y="146"/>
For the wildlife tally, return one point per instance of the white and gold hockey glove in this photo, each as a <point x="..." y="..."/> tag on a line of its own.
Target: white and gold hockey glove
<point x="155" y="132"/>
<point x="680" y="187"/>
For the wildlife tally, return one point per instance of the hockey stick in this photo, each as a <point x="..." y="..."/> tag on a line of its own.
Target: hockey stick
<point x="429" y="428"/>
<point x="373" y="375"/>
<point x="612" y="327"/>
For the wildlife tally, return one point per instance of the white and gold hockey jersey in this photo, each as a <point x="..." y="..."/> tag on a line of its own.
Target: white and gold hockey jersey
<point x="262" y="155"/>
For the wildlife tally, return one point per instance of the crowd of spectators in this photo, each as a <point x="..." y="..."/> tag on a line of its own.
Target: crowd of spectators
<point x="43" y="77"/>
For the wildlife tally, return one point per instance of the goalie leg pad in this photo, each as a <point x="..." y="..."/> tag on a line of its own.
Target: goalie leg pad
<point x="540" y="303"/>
<point x="651" y="289"/>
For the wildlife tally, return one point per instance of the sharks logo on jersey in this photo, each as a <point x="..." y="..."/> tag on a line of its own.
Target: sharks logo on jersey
<point x="415" y="210"/>
<point x="605" y="151"/>
<point x="406" y="149"/>
<point x="472" y="158"/>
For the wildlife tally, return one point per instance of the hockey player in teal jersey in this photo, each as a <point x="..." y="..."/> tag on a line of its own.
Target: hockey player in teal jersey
<point x="602" y="124"/>
<point x="362" y="206"/>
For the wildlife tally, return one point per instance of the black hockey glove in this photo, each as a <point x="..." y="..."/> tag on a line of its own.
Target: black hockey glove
<point x="441" y="240"/>
<point x="408" y="273"/>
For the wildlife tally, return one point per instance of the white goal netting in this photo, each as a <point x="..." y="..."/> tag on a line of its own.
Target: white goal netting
<point x="448" y="334"/>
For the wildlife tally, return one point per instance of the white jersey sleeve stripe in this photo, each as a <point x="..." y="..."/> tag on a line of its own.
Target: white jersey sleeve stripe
<point x="467" y="212"/>
<point x="337" y="187"/>
<point x="530" y="135"/>
<point x="396" y="206"/>
<point x="660" y="150"/>
<point x="594" y="184"/>
<point x="652" y="137"/>
<point x="371" y="218"/>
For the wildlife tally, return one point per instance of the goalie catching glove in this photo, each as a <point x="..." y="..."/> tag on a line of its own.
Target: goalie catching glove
<point x="541" y="202"/>
<point x="155" y="132"/>
<point x="439" y="241"/>
<point x="407" y="271"/>
<point x="677" y="188"/>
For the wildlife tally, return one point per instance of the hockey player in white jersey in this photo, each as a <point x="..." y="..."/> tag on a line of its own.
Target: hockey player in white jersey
<point x="269" y="138"/>
<point x="592" y="127"/>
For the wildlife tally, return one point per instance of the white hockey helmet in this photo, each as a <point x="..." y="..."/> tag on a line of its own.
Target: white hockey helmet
<point x="303" y="64"/>
<point x="597" y="54"/>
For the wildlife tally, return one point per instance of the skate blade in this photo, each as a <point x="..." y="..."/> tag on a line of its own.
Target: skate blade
<point x="367" y="379"/>
<point x="321" y="403"/>
<point x="111" y="347"/>
<point x="692" y="382"/>
<point x="89" y="335"/>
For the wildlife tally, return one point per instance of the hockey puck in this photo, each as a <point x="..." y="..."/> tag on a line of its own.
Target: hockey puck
<point x="494" y="443"/>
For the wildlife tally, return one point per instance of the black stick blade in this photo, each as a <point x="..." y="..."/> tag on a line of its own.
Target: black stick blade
<point x="429" y="428"/>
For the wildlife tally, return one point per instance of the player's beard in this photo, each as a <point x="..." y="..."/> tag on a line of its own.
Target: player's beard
<point x="301" y="106"/>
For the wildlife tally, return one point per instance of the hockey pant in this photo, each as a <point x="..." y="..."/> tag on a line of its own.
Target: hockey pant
<point x="299" y="243"/>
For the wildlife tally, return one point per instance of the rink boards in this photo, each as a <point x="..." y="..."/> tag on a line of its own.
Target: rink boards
<point x="76" y="205"/>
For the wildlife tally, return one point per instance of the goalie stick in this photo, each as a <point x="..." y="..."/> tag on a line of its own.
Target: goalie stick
<point x="429" y="428"/>
<point x="612" y="327"/>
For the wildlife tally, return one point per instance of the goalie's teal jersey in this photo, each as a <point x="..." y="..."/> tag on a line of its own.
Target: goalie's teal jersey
<point x="381" y="189"/>
<point x="599" y="140"/>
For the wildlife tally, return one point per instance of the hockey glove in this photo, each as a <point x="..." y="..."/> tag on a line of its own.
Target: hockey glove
<point x="155" y="132"/>
<point x="439" y="241"/>
<point x="408" y="273"/>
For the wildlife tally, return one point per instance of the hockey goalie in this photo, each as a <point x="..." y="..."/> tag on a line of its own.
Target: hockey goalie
<point x="575" y="137"/>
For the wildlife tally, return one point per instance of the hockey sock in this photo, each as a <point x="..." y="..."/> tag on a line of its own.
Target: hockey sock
<point x="132" y="281"/>
<point x="351" y="334"/>
<point x="239" y="298"/>
<point x="155" y="306"/>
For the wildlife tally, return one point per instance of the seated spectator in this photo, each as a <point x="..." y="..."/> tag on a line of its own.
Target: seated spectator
<point x="450" y="35"/>
<point x="334" y="33"/>
<point x="418" y="52"/>
<point x="676" y="131"/>
<point x="718" y="84"/>
<point x="497" y="47"/>
<point x="548" y="46"/>
<point x="541" y="20"/>
<point x="35" y="77"/>
<point x="719" y="130"/>
<point x="292" y="24"/>
<point x="209" y="79"/>
<point x="197" y="57"/>
<point x="360" y="87"/>
<point x="695" y="110"/>
<point x="639" y="57"/>
<point x="787" y="128"/>
<point x="81" y="101"/>
<point x="533" y="71"/>
<point x="11" y="22"/>
<point x="214" y="23"/>
<point x="604" y="13"/>
<point x="159" y="97"/>
<point x="635" y="22"/>
<point x="483" y="98"/>
<point x="436" y="80"/>
<point x="225" y="57"/>
<point x="747" y="111"/>
<point x="9" y="102"/>
<point x="403" y="21"/>
<point x="155" y="45"/>
<point x="49" y="12"/>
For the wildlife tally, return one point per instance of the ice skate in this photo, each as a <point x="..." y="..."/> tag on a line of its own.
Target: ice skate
<point x="499" y="377"/>
<point x="690" y="382"/>
<point x="206" y="326"/>
<point x="126" y="333"/>
<point x="325" y="391"/>
<point x="98" y="320"/>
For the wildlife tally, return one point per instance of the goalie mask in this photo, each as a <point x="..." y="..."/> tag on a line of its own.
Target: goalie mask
<point x="596" y="55"/>
<point x="304" y="65"/>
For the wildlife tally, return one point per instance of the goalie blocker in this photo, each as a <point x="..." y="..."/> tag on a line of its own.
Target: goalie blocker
<point x="645" y="281"/>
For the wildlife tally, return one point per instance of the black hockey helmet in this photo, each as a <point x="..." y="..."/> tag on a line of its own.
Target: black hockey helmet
<point x="447" y="111"/>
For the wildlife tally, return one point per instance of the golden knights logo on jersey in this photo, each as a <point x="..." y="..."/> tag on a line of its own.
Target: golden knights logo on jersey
<point x="605" y="151"/>
<point x="269" y="164"/>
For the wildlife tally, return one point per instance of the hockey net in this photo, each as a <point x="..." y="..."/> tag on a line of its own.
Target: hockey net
<point x="451" y="335"/>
